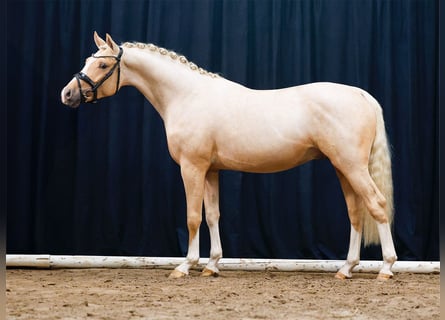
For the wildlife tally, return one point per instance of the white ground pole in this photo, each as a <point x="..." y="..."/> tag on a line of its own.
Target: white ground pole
<point x="47" y="261"/>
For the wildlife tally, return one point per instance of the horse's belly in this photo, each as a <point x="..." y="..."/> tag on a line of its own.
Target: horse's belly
<point x="264" y="159"/>
<point x="263" y="140"/>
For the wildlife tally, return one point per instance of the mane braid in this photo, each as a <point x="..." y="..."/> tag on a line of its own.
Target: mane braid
<point x="173" y="55"/>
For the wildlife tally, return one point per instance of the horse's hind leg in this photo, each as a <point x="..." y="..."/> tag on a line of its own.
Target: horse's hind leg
<point x="375" y="202"/>
<point x="355" y="212"/>
<point x="211" y="204"/>
<point x="388" y="251"/>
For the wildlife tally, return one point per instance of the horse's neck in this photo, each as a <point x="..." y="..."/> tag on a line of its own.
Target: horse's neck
<point x="160" y="79"/>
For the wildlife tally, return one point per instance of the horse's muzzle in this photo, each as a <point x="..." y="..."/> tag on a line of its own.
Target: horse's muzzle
<point x="70" y="96"/>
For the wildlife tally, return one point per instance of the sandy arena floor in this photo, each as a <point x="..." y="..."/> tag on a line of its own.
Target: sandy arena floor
<point x="150" y="294"/>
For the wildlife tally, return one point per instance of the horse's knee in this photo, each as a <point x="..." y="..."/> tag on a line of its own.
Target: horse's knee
<point x="193" y="223"/>
<point x="212" y="217"/>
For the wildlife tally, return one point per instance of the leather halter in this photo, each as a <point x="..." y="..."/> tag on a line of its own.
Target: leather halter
<point x="95" y="85"/>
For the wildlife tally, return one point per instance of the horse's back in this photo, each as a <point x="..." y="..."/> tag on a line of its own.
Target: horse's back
<point x="304" y="100"/>
<point x="301" y="113"/>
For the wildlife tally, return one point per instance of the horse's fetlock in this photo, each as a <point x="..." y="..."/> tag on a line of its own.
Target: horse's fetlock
<point x="193" y="260"/>
<point x="390" y="258"/>
<point x="353" y="262"/>
<point x="215" y="255"/>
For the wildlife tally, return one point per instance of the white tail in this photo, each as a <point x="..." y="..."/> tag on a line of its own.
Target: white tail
<point x="381" y="173"/>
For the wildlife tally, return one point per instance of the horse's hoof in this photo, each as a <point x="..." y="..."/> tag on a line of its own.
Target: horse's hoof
<point x="340" y="276"/>
<point x="384" y="277"/>
<point x="176" y="274"/>
<point x="208" y="273"/>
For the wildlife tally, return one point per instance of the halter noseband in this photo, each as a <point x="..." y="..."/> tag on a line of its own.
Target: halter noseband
<point x="95" y="85"/>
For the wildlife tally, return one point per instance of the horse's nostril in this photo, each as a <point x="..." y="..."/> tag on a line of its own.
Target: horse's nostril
<point x="68" y="93"/>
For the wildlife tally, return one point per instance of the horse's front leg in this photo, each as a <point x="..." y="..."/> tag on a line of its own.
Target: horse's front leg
<point x="211" y="204"/>
<point x="193" y="177"/>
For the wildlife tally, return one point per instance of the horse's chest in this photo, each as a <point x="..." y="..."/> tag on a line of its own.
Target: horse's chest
<point x="189" y="143"/>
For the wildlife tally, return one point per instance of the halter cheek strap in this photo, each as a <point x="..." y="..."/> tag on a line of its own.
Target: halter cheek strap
<point x="95" y="85"/>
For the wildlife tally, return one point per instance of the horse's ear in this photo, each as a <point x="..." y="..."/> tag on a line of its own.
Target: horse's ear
<point x="112" y="44"/>
<point x="98" y="40"/>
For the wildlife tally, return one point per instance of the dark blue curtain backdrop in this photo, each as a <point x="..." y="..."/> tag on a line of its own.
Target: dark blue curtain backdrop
<point x="99" y="179"/>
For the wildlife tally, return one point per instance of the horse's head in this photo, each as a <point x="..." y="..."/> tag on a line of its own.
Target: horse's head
<point x="100" y="76"/>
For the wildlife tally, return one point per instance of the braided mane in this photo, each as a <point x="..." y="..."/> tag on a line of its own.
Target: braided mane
<point x="173" y="55"/>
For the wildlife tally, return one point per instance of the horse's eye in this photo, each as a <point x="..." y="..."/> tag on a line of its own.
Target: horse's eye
<point x="103" y="65"/>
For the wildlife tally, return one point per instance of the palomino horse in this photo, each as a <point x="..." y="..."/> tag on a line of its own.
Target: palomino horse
<point x="214" y="124"/>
